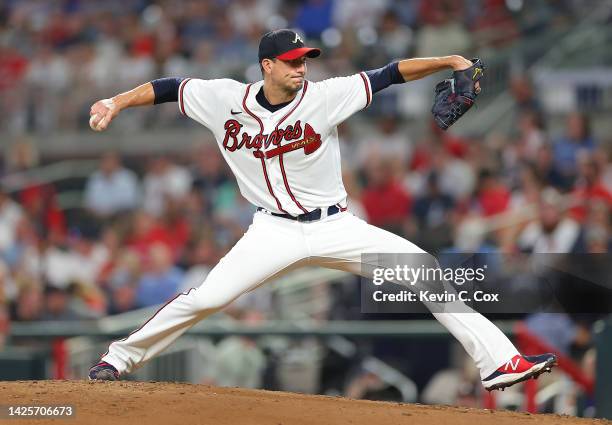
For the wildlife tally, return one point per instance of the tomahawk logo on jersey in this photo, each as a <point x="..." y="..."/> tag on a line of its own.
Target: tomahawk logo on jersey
<point x="287" y="161"/>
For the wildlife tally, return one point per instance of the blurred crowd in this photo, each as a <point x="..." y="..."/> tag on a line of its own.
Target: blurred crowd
<point x="141" y="230"/>
<point x="150" y="226"/>
<point x="56" y="56"/>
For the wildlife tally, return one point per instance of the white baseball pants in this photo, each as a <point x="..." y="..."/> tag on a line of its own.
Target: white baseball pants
<point x="273" y="246"/>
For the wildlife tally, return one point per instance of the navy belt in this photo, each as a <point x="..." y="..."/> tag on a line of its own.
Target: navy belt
<point x="313" y="215"/>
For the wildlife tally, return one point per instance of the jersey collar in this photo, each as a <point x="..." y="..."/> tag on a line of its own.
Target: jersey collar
<point x="260" y="110"/>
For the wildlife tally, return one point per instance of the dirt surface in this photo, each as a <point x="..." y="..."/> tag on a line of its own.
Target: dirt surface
<point x="153" y="403"/>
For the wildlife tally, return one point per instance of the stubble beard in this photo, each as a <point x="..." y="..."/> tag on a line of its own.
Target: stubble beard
<point x="292" y="89"/>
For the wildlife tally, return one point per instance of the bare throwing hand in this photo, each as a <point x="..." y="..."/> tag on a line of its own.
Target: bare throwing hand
<point x="102" y="113"/>
<point x="459" y="63"/>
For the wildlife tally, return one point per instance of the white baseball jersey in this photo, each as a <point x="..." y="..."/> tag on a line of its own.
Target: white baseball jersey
<point x="286" y="161"/>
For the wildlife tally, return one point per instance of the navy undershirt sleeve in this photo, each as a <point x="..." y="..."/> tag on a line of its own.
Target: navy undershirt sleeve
<point x="382" y="78"/>
<point x="166" y="89"/>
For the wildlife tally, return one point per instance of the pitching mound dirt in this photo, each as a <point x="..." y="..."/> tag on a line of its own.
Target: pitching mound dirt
<point x="160" y="403"/>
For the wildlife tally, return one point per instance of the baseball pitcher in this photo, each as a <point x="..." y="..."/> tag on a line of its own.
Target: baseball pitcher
<point x="279" y="137"/>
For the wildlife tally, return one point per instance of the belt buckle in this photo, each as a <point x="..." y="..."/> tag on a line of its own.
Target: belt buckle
<point x="308" y="217"/>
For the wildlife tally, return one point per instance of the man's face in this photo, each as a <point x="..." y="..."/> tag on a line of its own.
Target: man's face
<point x="109" y="164"/>
<point x="286" y="74"/>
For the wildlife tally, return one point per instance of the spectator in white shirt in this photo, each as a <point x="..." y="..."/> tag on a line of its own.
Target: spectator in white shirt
<point x="164" y="180"/>
<point x="112" y="189"/>
<point x="10" y="215"/>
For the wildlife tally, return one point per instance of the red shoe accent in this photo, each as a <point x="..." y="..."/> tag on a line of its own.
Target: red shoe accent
<point x="516" y="364"/>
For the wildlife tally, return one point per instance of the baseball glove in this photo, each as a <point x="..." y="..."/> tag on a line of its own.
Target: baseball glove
<point x="455" y="96"/>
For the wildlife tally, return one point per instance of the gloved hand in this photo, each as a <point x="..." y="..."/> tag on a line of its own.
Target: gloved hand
<point x="455" y="96"/>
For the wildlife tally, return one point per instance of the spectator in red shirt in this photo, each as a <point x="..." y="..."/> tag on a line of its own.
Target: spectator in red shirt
<point x="493" y="196"/>
<point x="146" y="232"/>
<point x="13" y="68"/>
<point x="425" y="149"/>
<point x="175" y="218"/>
<point x="40" y="204"/>
<point x="385" y="200"/>
<point x="589" y="187"/>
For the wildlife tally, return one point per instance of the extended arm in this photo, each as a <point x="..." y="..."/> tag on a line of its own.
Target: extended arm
<point x="414" y="69"/>
<point x="157" y="91"/>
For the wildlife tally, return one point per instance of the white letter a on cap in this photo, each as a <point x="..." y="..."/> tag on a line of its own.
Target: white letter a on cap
<point x="297" y="37"/>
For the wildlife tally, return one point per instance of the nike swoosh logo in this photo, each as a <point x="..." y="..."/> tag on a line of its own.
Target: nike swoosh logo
<point x="235" y="112"/>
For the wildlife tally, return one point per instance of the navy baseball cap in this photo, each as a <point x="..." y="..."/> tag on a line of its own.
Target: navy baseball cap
<point x="285" y="45"/>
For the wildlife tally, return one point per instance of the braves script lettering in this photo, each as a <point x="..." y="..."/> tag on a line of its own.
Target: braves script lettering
<point x="234" y="140"/>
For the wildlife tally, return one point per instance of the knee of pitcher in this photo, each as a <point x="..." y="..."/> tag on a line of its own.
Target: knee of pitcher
<point x="207" y="302"/>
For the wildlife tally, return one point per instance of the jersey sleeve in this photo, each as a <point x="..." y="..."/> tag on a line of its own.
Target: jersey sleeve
<point x="201" y="100"/>
<point x="382" y="78"/>
<point x="346" y="95"/>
